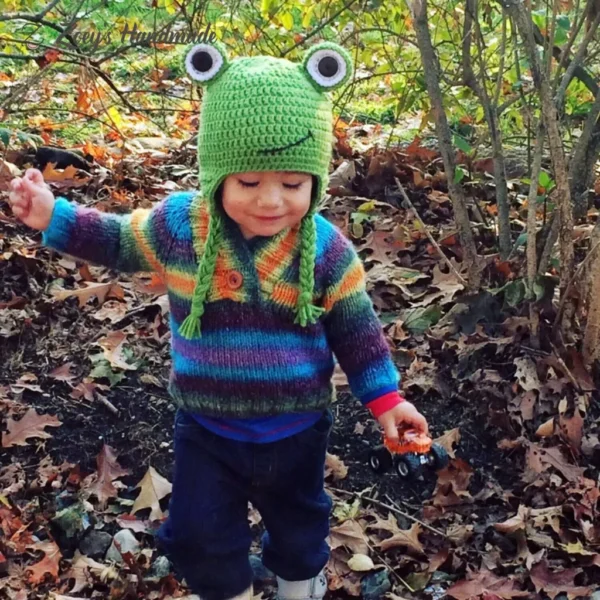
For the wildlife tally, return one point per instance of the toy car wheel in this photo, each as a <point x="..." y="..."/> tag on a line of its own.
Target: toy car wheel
<point x="408" y="466"/>
<point x="440" y="457"/>
<point x="380" y="459"/>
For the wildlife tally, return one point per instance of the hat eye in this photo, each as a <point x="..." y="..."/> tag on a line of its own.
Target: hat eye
<point x="327" y="67"/>
<point x="203" y="62"/>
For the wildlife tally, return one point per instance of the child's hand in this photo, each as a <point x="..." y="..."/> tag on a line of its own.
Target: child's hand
<point x="404" y="413"/>
<point x="31" y="200"/>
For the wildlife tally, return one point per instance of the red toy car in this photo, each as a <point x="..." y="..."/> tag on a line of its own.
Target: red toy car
<point x="408" y="455"/>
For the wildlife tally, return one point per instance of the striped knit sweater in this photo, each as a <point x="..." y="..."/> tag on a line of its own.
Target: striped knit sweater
<point x="252" y="360"/>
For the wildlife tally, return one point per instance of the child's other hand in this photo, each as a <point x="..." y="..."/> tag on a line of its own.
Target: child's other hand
<point x="405" y="414"/>
<point x="31" y="199"/>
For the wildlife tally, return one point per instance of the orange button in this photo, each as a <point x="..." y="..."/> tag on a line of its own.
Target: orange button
<point x="234" y="280"/>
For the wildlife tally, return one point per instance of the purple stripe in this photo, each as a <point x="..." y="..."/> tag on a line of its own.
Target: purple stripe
<point x="96" y="236"/>
<point x="243" y="315"/>
<point x="364" y="326"/>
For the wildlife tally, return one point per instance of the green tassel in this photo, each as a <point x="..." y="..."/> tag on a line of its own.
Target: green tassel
<point x="190" y="328"/>
<point x="308" y="313"/>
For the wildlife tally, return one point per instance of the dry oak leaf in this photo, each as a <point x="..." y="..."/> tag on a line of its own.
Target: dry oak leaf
<point x="487" y="584"/>
<point x="340" y="574"/>
<point x="113" y="350"/>
<point x="30" y="425"/>
<point x="408" y="538"/>
<point x="516" y="523"/>
<point x="351" y="535"/>
<point x="526" y="374"/>
<point x="453" y="483"/>
<point x="553" y="583"/>
<point x="48" y="564"/>
<point x="335" y="467"/>
<point x="100" y="290"/>
<point x="154" y="487"/>
<point x="82" y="569"/>
<point x="101" y="483"/>
<point x="448" y="440"/>
<point x="63" y="373"/>
<point x="540" y="459"/>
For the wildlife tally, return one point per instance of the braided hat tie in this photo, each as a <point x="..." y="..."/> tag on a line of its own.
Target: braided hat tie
<point x="263" y="114"/>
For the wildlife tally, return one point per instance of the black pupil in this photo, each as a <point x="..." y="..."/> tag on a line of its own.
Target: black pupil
<point x="202" y="61"/>
<point x="328" y="66"/>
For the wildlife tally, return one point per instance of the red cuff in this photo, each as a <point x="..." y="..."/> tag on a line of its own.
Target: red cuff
<point x="384" y="403"/>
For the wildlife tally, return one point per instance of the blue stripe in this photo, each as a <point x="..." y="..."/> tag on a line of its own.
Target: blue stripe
<point x="270" y="373"/>
<point x="325" y="235"/>
<point x="257" y="339"/>
<point x="177" y="207"/>
<point x="377" y="375"/>
<point x="260" y="430"/>
<point x="393" y="387"/>
<point x="59" y="231"/>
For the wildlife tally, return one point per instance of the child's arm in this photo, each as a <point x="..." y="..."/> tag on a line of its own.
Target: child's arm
<point x="359" y="344"/>
<point x="128" y="243"/>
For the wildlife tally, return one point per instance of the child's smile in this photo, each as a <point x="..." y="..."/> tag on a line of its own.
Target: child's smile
<point x="266" y="202"/>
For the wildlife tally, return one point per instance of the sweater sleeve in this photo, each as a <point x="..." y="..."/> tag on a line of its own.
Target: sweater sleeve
<point x="130" y="243"/>
<point x="355" y="332"/>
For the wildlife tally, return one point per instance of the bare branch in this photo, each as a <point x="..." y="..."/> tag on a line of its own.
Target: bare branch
<point x="575" y="63"/>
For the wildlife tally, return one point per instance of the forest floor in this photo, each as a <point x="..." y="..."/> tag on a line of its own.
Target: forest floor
<point x="515" y="514"/>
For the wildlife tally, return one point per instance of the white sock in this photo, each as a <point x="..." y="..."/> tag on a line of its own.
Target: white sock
<point x="246" y="595"/>
<point x="309" y="589"/>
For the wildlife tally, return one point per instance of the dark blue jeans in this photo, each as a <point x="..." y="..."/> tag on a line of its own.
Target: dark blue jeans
<point x="207" y="535"/>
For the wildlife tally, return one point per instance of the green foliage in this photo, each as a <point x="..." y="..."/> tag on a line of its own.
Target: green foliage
<point x="419" y="320"/>
<point x="389" y="84"/>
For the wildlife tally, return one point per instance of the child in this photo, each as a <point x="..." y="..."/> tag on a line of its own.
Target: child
<point x="263" y="293"/>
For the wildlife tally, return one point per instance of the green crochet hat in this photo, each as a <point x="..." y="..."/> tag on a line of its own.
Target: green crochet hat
<point x="263" y="114"/>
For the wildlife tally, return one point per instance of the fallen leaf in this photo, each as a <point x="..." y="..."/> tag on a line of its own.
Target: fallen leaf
<point x="30" y="425"/>
<point x="113" y="350"/>
<point x="546" y="429"/>
<point x="100" y="484"/>
<point x="540" y="459"/>
<point x="48" y="564"/>
<point x="407" y="538"/>
<point x="63" y="373"/>
<point x="351" y="535"/>
<point x="99" y="290"/>
<point x="361" y="562"/>
<point x="516" y="523"/>
<point x="448" y="440"/>
<point x="555" y="582"/>
<point x="154" y="487"/>
<point x="335" y="467"/>
<point x="485" y="583"/>
<point x="81" y="569"/>
<point x="526" y="374"/>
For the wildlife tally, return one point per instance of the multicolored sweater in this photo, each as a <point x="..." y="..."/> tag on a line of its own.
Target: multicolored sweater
<point x="252" y="360"/>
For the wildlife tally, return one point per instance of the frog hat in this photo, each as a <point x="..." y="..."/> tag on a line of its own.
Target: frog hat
<point x="263" y="113"/>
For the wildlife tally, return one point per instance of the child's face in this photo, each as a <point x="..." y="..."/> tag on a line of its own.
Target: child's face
<point x="264" y="203"/>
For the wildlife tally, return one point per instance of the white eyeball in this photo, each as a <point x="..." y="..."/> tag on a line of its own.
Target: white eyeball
<point x="203" y="62"/>
<point x="327" y="67"/>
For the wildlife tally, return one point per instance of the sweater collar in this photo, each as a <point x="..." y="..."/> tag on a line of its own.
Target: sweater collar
<point x="269" y="255"/>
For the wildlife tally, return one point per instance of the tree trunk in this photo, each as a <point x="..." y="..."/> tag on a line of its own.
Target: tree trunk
<point x="522" y="20"/>
<point x="531" y="236"/>
<point x="480" y="91"/>
<point x="431" y="70"/>
<point x="583" y="161"/>
<point x="591" y="338"/>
